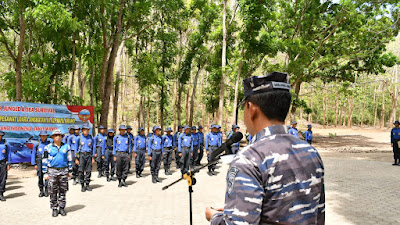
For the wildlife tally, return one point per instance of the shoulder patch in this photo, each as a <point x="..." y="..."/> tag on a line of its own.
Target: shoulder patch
<point x="233" y="171"/>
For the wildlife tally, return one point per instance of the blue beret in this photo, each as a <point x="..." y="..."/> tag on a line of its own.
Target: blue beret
<point x="122" y="127"/>
<point x="169" y="129"/>
<point x="269" y="82"/>
<point x="76" y="127"/>
<point x="186" y="127"/>
<point x="194" y="128"/>
<point x="43" y="132"/>
<point x="71" y="127"/>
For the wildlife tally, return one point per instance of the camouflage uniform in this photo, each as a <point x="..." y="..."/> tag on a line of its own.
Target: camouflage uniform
<point x="58" y="184"/>
<point x="276" y="179"/>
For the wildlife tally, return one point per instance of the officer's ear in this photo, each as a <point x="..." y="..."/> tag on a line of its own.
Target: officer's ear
<point x="253" y="110"/>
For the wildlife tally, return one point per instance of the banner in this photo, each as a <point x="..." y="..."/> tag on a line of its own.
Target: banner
<point x="22" y="122"/>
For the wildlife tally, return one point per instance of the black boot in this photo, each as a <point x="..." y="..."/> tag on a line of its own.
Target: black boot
<point x="62" y="212"/>
<point x="124" y="183"/>
<point x="158" y="179"/>
<point x="98" y="176"/>
<point x="169" y="172"/>
<point x="83" y="189"/>
<point x="88" y="188"/>
<point x="2" y="197"/>
<point x="46" y="192"/>
<point x="55" y="213"/>
<point x="395" y="162"/>
<point x="153" y="179"/>
<point x="41" y="194"/>
<point x="108" y="179"/>
<point x="137" y="174"/>
<point x="212" y="172"/>
<point x="75" y="181"/>
<point x="119" y="183"/>
<point x="140" y="174"/>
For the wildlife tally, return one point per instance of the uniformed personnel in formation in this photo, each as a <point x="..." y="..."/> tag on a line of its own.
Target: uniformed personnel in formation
<point x="308" y="134"/>
<point x="196" y="147"/>
<point x="5" y="157"/>
<point x="293" y="130"/>
<point x="98" y="147"/>
<point x="69" y="134"/>
<point x="107" y="154"/>
<point x="36" y="159"/>
<point x="84" y="157"/>
<point x="201" y="148"/>
<point x="140" y="151"/>
<point x="277" y="179"/>
<point x="176" y="137"/>
<point x="73" y="146"/>
<point x="168" y="149"/>
<point x="155" y="148"/>
<point x="57" y="165"/>
<point x="394" y="140"/>
<point x="122" y="148"/>
<point x="212" y="143"/>
<point x="185" y="149"/>
<point x="236" y="146"/>
<point x="130" y="135"/>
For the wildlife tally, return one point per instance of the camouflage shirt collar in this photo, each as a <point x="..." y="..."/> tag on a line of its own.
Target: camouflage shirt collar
<point x="268" y="131"/>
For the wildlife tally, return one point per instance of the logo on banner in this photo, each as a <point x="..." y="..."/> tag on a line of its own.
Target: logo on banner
<point x="84" y="115"/>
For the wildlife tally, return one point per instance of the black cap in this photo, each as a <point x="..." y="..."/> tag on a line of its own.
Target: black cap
<point x="269" y="82"/>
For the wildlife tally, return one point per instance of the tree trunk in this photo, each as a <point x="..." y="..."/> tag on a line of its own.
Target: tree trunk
<point x="187" y="105"/>
<point x="175" y="102"/>
<point x="91" y="85"/>
<point x="110" y="69"/>
<point x="80" y="80"/>
<point x="375" y="103"/>
<point x="18" y="64"/>
<point x="222" y="85"/>
<point x="294" y="107"/>
<point x="199" y="68"/>
<point x="350" y="113"/>
<point x="382" y="120"/>
<point x="116" y="96"/>
<point x="336" y="110"/>
<point x="324" y="107"/>
<point x="71" y="86"/>
<point x="235" y="101"/>
<point x="178" y="103"/>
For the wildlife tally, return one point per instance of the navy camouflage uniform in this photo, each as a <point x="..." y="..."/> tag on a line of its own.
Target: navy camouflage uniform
<point x="168" y="148"/>
<point x="36" y="159"/>
<point x="277" y="178"/>
<point x="5" y="157"/>
<point x="140" y="150"/>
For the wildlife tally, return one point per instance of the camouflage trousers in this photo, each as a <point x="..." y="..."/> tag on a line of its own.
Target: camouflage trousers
<point x="58" y="187"/>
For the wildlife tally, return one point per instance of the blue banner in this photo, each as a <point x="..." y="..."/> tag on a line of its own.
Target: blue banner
<point x="22" y="122"/>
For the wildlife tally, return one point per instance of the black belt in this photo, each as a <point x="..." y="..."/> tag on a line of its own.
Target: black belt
<point x="120" y="152"/>
<point x="213" y="146"/>
<point x="185" y="147"/>
<point x="169" y="147"/>
<point x="140" y="149"/>
<point x="156" y="150"/>
<point x="63" y="168"/>
<point x="85" y="153"/>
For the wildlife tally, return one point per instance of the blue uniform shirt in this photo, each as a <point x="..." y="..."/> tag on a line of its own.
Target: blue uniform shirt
<point x="65" y="138"/>
<point x="99" y="142"/>
<point x="185" y="140"/>
<point x="167" y="141"/>
<point x="212" y="139"/>
<point x="57" y="157"/>
<point x="5" y="150"/>
<point x="86" y="144"/>
<point x="293" y="131"/>
<point x="155" y="143"/>
<point x="175" y="140"/>
<point x="140" y="142"/>
<point x="122" y="143"/>
<point x="394" y="134"/>
<point x="220" y="138"/>
<point x="73" y="142"/>
<point x="196" y="141"/>
<point x="308" y="135"/>
<point x="38" y="150"/>
<point x="130" y="135"/>
<point x="201" y="137"/>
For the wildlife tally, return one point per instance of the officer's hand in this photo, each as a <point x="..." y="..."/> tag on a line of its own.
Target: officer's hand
<point x="8" y="167"/>
<point x="92" y="160"/>
<point x="191" y="154"/>
<point x="198" y="151"/>
<point x="76" y="161"/>
<point x="95" y="155"/>
<point x="207" y="152"/>
<point x="47" y="177"/>
<point x="135" y="155"/>
<point x="102" y="157"/>
<point x="210" y="213"/>
<point x="115" y="159"/>
<point x="149" y="157"/>
<point x="35" y="167"/>
<point x="180" y="154"/>
<point x="392" y="144"/>
<point x="69" y="175"/>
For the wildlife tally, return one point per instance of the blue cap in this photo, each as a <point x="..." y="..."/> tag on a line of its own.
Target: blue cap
<point x="267" y="83"/>
<point x="2" y="133"/>
<point x="129" y="127"/>
<point x="55" y="132"/>
<point x="140" y="129"/>
<point x="110" y="131"/>
<point x="194" y="128"/>
<point x="294" y="122"/>
<point x="217" y="126"/>
<point x="396" y="122"/>
<point x="212" y="126"/>
<point x="169" y="129"/>
<point x="186" y="127"/>
<point x="71" y="127"/>
<point x="200" y="127"/>
<point x="234" y="126"/>
<point x="156" y="127"/>
<point x="43" y="132"/>
<point x="180" y="126"/>
<point x="102" y="127"/>
<point x="86" y="126"/>
<point x="309" y="126"/>
<point x="76" y="127"/>
<point x="122" y="127"/>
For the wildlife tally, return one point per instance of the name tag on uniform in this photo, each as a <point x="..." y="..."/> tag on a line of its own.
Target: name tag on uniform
<point x="212" y="139"/>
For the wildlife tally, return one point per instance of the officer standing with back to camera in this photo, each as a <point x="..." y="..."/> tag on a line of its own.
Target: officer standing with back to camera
<point x="36" y="159"/>
<point x="84" y="157"/>
<point x="57" y="164"/>
<point x="168" y="149"/>
<point x="394" y="140"/>
<point x="108" y="156"/>
<point x="73" y="142"/>
<point x="278" y="179"/>
<point x="140" y="152"/>
<point x="122" y="148"/>
<point x="5" y="157"/>
<point x="99" y="141"/>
